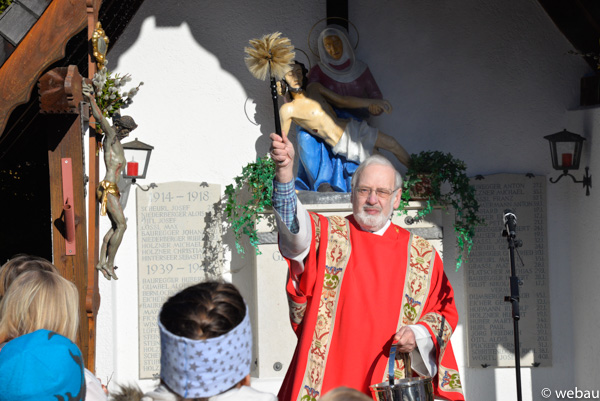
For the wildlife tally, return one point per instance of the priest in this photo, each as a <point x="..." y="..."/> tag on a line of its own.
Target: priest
<point x="359" y="283"/>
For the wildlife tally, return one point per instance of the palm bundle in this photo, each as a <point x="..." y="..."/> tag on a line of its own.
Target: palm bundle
<point x="270" y="56"/>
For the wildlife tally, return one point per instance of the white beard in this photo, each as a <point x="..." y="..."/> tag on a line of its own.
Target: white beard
<point x="372" y="222"/>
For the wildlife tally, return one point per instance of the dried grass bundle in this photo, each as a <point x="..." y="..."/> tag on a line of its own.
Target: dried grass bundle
<point x="269" y="54"/>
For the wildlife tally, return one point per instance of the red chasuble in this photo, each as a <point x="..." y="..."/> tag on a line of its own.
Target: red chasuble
<point x="357" y="289"/>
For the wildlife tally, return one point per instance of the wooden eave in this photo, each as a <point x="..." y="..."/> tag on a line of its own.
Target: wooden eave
<point x="43" y="45"/>
<point x="47" y="45"/>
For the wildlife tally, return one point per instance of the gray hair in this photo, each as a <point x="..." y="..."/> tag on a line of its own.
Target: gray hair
<point x="376" y="160"/>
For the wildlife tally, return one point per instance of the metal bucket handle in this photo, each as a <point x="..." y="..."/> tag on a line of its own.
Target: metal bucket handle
<point x="391" y="363"/>
<point x="406" y="355"/>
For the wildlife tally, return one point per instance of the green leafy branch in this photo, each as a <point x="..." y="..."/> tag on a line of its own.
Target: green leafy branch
<point x="427" y="172"/>
<point x="256" y="183"/>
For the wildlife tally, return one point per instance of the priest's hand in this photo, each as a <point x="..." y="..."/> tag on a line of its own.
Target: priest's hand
<point x="282" y="153"/>
<point x="406" y="340"/>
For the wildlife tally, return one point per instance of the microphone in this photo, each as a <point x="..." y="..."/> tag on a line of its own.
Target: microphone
<point x="510" y="222"/>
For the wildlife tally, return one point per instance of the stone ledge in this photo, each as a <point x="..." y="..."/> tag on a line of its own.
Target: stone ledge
<point x="323" y="198"/>
<point x="428" y="233"/>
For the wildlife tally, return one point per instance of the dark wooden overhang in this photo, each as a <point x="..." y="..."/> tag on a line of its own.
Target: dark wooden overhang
<point x="57" y="39"/>
<point x="579" y="22"/>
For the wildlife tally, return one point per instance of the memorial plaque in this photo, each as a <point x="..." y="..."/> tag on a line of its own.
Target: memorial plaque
<point x="487" y="275"/>
<point x="179" y="244"/>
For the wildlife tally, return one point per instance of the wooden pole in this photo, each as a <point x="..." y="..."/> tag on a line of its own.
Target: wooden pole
<point x="92" y="303"/>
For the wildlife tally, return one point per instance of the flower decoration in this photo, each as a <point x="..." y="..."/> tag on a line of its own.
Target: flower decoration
<point x="111" y="95"/>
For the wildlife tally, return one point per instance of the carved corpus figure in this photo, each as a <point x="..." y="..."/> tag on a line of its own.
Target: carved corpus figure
<point x="108" y="192"/>
<point x="310" y="110"/>
<point x="337" y="70"/>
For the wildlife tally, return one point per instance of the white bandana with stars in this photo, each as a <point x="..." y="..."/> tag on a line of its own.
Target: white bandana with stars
<point x="203" y="368"/>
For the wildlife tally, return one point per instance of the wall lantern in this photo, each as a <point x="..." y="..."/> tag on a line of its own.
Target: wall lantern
<point x="137" y="155"/>
<point x="565" y="150"/>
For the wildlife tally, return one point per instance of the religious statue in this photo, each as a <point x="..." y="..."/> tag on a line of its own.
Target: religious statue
<point x="310" y="108"/>
<point x="339" y="71"/>
<point x="108" y="192"/>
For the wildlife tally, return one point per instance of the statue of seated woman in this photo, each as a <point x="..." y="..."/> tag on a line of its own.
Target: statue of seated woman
<point x="339" y="71"/>
<point x="310" y="107"/>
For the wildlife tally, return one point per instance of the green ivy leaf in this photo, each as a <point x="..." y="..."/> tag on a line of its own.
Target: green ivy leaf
<point x="257" y="178"/>
<point x="442" y="168"/>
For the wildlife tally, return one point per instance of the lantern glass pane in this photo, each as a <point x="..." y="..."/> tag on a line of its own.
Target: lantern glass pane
<point x="135" y="156"/>
<point x="565" y="152"/>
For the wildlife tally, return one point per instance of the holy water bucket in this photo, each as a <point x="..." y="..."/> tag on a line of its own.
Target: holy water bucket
<point x="407" y="389"/>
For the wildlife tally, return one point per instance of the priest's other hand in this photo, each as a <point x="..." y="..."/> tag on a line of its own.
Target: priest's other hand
<point x="406" y="340"/>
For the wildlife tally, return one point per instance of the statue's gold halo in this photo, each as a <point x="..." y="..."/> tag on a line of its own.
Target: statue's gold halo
<point x="305" y="55"/>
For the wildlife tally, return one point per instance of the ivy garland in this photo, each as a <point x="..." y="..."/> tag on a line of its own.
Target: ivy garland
<point x="255" y="181"/>
<point x="431" y="169"/>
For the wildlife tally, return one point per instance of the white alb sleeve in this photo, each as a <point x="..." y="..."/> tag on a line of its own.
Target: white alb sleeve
<point x="423" y="357"/>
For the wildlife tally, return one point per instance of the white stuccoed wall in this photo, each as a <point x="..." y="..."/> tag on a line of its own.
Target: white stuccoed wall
<point x="581" y="233"/>
<point x="483" y="79"/>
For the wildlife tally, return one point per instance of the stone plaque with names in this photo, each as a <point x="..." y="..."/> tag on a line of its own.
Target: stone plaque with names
<point x="179" y="244"/>
<point x="487" y="275"/>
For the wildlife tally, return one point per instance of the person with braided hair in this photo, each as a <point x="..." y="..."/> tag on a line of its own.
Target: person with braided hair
<point x="206" y="347"/>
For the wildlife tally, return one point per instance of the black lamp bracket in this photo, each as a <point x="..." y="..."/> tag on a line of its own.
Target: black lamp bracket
<point x="586" y="181"/>
<point x="152" y="185"/>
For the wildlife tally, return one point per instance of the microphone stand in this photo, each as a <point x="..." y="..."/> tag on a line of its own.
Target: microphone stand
<point x="514" y="300"/>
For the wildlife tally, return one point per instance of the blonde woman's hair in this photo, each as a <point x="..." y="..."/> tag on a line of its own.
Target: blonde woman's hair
<point x="39" y="300"/>
<point x="345" y="394"/>
<point x="21" y="263"/>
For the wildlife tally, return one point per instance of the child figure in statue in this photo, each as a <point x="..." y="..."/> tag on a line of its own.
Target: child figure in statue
<point x="108" y="192"/>
<point x="310" y="109"/>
